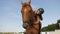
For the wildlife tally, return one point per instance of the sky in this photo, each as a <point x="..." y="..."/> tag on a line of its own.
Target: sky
<point x="11" y="17"/>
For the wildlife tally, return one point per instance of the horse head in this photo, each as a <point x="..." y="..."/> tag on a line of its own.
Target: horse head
<point x="26" y="13"/>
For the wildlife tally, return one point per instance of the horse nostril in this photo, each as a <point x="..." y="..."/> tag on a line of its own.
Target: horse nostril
<point x="25" y="25"/>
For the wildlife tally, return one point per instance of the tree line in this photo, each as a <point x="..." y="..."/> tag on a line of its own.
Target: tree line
<point x="51" y="27"/>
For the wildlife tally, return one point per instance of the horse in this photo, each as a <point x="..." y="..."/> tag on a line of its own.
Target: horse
<point x="31" y="19"/>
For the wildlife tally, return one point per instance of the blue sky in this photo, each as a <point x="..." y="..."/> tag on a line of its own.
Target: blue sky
<point x="11" y="17"/>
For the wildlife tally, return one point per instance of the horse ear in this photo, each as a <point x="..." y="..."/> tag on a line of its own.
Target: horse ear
<point x="29" y="1"/>
<point x="21" y="2"/>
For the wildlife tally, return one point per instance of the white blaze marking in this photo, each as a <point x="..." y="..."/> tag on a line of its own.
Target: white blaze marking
<point x="25" y="11"/>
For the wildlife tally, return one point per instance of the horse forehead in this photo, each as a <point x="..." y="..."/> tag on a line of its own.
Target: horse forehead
<point x="27" y="8"/>
<point x="24" y="11"/>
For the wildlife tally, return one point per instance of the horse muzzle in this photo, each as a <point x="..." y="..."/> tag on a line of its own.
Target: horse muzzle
<point x="25" y="25"/>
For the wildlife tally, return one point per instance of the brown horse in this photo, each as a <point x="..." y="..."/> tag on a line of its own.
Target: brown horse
<point x="31" y="19"/>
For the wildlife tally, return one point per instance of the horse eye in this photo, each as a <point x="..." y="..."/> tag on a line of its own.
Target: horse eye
<point x="30" y="11"/>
